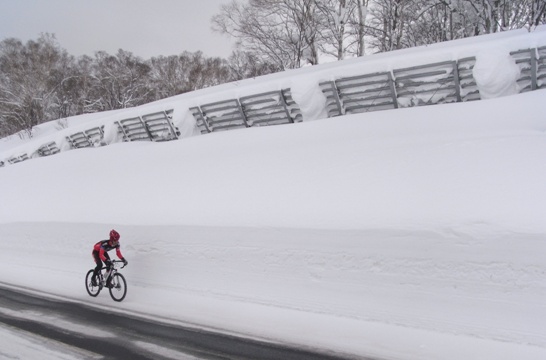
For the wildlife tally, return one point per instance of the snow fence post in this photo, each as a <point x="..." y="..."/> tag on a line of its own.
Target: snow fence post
<point x="393" y="89"/>
<point x="456" y="80"/>
<point x="285" y="105"/>
<point x="534" y="69"/>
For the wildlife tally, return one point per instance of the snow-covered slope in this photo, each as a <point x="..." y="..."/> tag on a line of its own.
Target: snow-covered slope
<point x="494" y="71"/>
<point x="403" y="234"/>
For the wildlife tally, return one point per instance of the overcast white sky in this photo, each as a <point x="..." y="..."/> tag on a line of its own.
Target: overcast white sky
<point x="145" y="27"/>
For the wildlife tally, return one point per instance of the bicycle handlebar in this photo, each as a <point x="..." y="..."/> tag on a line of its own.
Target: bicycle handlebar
<point x="118" y="261"/>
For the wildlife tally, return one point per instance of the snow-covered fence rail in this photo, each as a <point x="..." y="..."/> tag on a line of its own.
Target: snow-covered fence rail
<point x="428" y="84"/>
<point x="220" y="115"/>
<point x="87" y="138"/>
<point x="133" y="129"/>
<point x="532" y="64"/>
<point x="50" y="148"/>
<point x="200" y="122"/>
<point x="269" y="108"/>
<point x="155" y="126"/>
<point x="18" y="158"/>
<point x="541" y="67"/>
<point x="151" y="127"/>
<point x="442" y="82"/>
<point x="160" y="126"/>
<point x="360" y="93"/>
<point x="468" y="87"/>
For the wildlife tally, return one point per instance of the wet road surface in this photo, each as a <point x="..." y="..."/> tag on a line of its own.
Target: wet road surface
<point x="112" y="335"/>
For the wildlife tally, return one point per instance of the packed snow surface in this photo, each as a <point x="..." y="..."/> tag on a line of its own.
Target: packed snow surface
<point x="403" y="234"/>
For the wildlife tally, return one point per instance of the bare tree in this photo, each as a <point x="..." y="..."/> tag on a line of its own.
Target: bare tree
<point x="205" y="72"/>
<point x="389" y="22"/>
<point x="118" y="81"/>
<point x="283" y="32"/>
<point x="65" y="80"/>
<point x="359" y="25"/>
<point x="29" y="77"/>
<point x="466" y="18"/>
<point x="167" y="76"/>
<point x="292" y="32"/>
<point x="244" y="65"/>
<point x="335" y="16"/>
<point x="537" y="13"/>
<point x="188" y="71"/>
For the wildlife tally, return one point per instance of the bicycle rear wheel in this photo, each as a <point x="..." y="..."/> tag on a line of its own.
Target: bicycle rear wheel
<point x="119" y="287"/>
<point x="91" y="290"/>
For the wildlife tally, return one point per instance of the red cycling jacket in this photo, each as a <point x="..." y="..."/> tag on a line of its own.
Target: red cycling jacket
<point x="106" y="245"/>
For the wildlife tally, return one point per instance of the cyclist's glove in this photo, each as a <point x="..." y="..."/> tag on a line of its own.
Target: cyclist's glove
<point x="124" y="261"/>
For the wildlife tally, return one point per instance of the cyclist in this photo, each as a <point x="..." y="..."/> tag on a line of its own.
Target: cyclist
<point x="100" y="254"/>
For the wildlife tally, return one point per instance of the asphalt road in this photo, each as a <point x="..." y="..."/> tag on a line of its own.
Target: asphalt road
<point x="127" y="332"/>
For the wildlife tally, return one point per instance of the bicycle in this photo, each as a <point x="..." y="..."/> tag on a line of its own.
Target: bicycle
<point x="118" y="288"/>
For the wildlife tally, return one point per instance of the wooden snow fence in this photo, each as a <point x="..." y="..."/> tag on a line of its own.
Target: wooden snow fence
<point x="357" y="94"/>
<point x="264" y="109"/>
<point x="429" y="84"/>
<point x="468" y="87"/>
<point x="532" y="65"/>
<point x="87" y="138"/>
<point x="541" y="67"/>
<point x="50" y="148"/>
<point x="220" y="115"/>
<point x="437" y="83"/>
<point x="151" y="127"/>
<point x="18" y="158"/>
<point x="44" y="150"/>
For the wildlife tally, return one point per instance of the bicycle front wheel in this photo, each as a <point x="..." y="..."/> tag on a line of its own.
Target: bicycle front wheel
<point x="119" y="287"/>
<point x="91" y="290"/>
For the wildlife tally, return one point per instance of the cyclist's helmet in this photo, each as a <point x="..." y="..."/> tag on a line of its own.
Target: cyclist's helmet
<point x="114" y="235"/>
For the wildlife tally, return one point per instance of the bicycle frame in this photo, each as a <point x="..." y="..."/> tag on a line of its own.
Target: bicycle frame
<point x="108" y="272"/>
